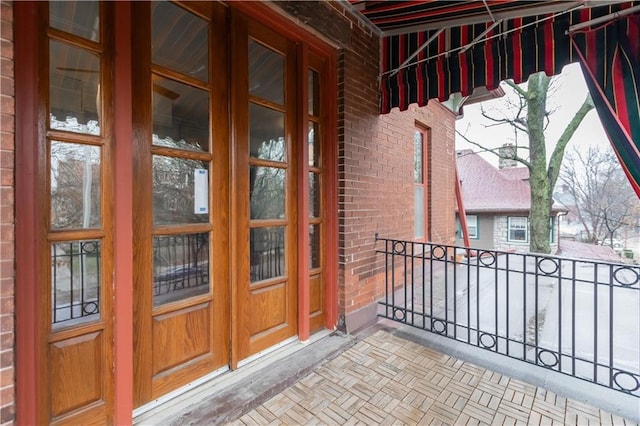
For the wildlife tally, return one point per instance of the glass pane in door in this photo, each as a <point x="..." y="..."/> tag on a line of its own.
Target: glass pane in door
<point x="267" y="253"/>
<point x="75" y="186"/>
<point x="75" y="282"/>
<point x="266" y="73"/>
<point x="180" y="267"/>
<point x="267" y="192"/>
<point x="180" y="115"/>
<point x="74" y="89"/>
<point x="81" y="18"/>
<point x="180" y="40"/>
<point x="180" y="190"/>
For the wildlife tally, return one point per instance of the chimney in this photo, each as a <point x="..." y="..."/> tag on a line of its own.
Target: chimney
<point x="507" y="153"/>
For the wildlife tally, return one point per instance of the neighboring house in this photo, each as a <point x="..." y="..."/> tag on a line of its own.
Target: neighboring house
<point x="497" y="203"/>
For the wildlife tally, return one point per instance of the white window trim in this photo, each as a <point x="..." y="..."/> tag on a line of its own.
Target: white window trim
<point x="526" y="229"/>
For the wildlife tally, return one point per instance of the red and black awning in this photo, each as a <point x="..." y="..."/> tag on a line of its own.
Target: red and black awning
<point x="431" y="49"/>
<point x="514" y="48"/>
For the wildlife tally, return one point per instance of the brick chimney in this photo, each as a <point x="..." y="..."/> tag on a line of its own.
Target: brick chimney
<point x="507" y="153"/>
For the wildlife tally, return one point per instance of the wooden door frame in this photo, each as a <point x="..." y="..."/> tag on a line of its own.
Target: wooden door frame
<point x="277" y="22"/>
<point x="30" y="208"/>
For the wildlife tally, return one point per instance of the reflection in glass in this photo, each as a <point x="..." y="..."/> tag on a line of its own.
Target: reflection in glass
<point x="418" y="222"/>
<point x="266" y="73"/>
<point x="75" y="282"/>
<point x="267" y="253"/>
<point x="314" y="246"/>
<point x="180" y="115"/>
<point x="75" y="186"/>
<point x="314" y="148"/>
<point x="266" y="133"/>
<point x="314" y="93"/>
<point x="314" y="194"/>
<point x="74" y="89"/>
<point x="174" y="190"/>
<point x="418" y="146"/>
<point x="182" y="46"/>
<point x="81" y="18"/>
<point x="266" y="192"/>
<point x="180" y="267"/>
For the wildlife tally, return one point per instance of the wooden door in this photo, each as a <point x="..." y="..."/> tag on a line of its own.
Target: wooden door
<point x="266" y="190"/>
<point x="77" y="144"/>
<point x="180" y="196"/>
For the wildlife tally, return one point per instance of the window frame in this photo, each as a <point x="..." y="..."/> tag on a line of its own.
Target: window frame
<point x="526" y="229"/>
<point x="475" y="235"/>
<point x="422" y="183"/>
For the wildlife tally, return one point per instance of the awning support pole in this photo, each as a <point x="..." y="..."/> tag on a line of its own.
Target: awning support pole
<point x="484" y="33"/>
<point x="462" y="214"/>
<point x="602" y="19"/>
<point x="414" y="54"/>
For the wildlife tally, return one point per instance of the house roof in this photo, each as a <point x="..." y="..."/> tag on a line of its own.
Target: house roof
<point x="490" y="190"/>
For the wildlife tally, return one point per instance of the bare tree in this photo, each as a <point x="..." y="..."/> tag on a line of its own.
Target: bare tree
<point x="605" y="202"/>
<point x="528" y="116"/>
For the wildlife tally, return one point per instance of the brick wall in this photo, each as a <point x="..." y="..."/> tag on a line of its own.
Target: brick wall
<point x="376" y="173"/>
<point x="7" y="269"/>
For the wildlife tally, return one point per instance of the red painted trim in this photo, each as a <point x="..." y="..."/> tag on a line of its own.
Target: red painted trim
<point x="488" y="60"/>
<point x="517" y="51"/>
<point x="303" y="198"/>
<point x="402" y="55"/>
<point x="464" y="66"/>
<point x="123" y="219"/>
<point x="462" y="214"/>
<point x="549" y="48"/>
<point x="28" y="210"/>
<point x="330" y="117"/>
<point x="262" y="12"/>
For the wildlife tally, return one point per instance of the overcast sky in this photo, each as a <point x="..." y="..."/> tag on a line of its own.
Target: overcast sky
<point x="570" y="91"/>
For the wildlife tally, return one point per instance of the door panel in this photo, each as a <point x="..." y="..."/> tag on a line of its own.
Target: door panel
<point x="181" y="223"/>
<point x="265" y="205"/>
<point x="75" y="382"/>
<point x="184" y="334"/>
<point x="76" y="293"/>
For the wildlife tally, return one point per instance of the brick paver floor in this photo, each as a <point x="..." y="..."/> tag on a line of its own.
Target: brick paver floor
<point x="385" y="379"/>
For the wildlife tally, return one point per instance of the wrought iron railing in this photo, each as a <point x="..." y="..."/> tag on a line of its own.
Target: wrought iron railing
<point x="180" y="266"/>
<point x="577" y="317"/>
<point x="75" y="282"/>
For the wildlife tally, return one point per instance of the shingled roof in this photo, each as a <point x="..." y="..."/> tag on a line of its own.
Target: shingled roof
<point x="486" y="189"/>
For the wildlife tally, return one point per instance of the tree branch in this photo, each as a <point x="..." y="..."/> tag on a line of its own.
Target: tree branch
<point x="517" y="88"/>
<point x="495" y="151"/>
<point x="556" y="157"/>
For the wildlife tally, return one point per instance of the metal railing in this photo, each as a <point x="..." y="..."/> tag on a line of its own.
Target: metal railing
<point x="180" y="266"/>
<point x="75" y="282"/>
<point x="577" y="317"/>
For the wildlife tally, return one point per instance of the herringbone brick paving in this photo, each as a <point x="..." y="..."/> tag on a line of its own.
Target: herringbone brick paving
<point x="388" y="380"/>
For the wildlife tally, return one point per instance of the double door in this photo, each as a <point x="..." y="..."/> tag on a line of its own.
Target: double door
<point x="215" y="206"/>
<point x="219" y="141"/>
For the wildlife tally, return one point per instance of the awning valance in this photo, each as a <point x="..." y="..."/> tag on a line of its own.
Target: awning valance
<point x="464" y="57"/>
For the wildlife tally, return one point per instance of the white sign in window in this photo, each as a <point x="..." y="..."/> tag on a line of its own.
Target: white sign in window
<point x="200" y="191"/>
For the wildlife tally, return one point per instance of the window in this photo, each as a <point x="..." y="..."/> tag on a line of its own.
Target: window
<point x="420" y="220"/>
<point x="552" y="230"/>
<point x="472" y="226"/>
<point x="518" y="229"/>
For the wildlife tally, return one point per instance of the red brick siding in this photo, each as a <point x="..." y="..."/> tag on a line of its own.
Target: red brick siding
<point x="376" y="173"/>
<point x="7" y="257"/>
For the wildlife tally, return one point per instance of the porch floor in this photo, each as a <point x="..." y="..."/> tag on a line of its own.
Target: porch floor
<point x="385" y="379"/>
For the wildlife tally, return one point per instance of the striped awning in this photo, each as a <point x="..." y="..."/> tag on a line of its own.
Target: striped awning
<point x="431" y="49"/>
